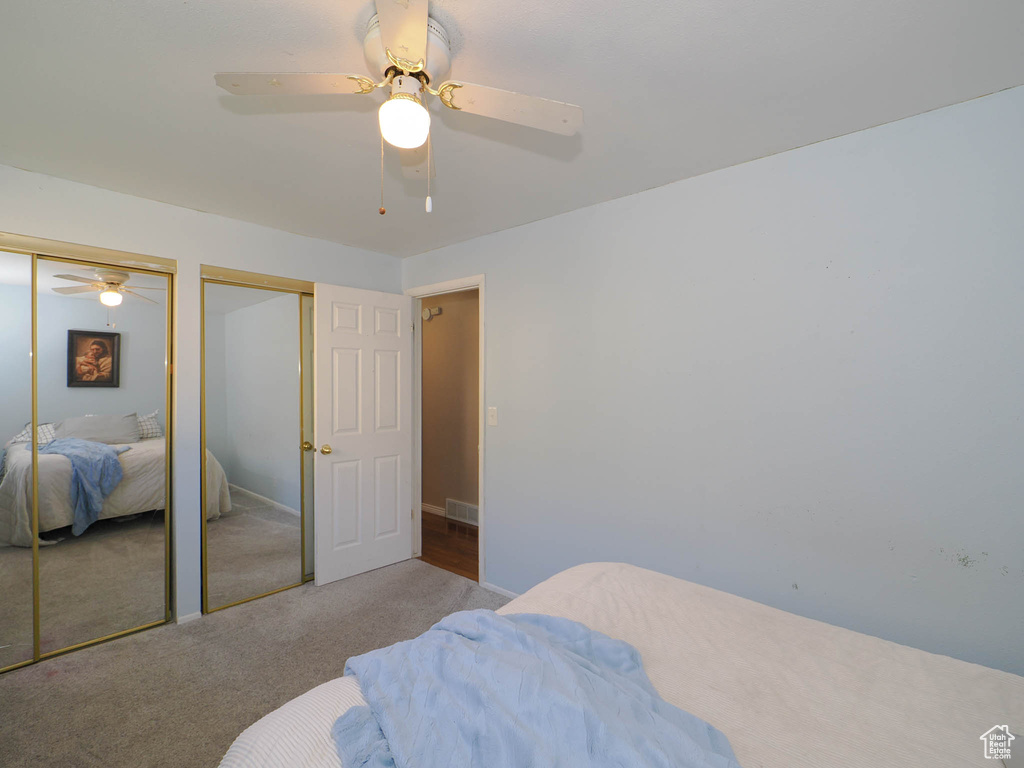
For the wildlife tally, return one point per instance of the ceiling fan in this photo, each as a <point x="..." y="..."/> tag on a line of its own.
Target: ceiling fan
<point x="410" y="52"/>
<point x="109" y="283"/>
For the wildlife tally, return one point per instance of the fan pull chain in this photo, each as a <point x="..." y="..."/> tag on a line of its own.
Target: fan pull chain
<point x="429" y="203"/>
<point x="383" y="210"/>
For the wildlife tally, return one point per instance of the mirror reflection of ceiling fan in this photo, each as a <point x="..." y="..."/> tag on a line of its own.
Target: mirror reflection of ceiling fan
<point x="411" y="52"/>
<point x="109" y="283"/>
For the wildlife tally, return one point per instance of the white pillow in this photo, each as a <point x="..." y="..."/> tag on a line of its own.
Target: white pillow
<point x="101" y="429"/>
<point x="149" y="427"/>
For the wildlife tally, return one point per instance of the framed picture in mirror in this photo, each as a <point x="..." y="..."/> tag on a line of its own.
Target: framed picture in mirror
<point x="94" y="359"/>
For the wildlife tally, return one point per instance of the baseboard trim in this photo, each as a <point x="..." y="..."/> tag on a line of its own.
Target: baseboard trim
<point x="188" y="617"/>
<point x="433" y="510"/>
<point x="282" y="507"/>
<point x="494" y="588"/>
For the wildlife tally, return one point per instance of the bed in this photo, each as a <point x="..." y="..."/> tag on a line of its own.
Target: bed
<point x="787" y="691"/>
<point x="141" y="489"/>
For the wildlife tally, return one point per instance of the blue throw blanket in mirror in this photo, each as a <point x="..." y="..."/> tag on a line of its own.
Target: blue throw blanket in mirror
<point x="487" y="691"/>
<point x="95" y="473"/>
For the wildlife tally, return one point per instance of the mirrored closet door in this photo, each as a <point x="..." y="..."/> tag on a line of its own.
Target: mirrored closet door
<point x="84" y="538"/>
<point x="16" y="565"/>
<point x="102" y="385"/>
<point x="257" y="411"/>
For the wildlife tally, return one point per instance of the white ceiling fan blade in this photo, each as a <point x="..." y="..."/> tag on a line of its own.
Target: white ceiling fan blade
<point x="292" y="83"/>
<point x="414" y="162"/>
<point x="77" y="289"/>
<point x="138" y="295"/>
<point x="77" y="278"/>
<point x="403" y="28"/>
<point x="547" y="115"/>
<point x="142" y="288"/>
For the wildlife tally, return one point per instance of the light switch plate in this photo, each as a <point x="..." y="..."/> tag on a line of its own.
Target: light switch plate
<point x="492" y="416"/>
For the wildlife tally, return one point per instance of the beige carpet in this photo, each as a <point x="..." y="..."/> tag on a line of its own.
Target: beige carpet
<point x="178" y="695"/>
<point x="108" y="579"/>
<point x="111" y="578"/>
<point x="253" y="549"/>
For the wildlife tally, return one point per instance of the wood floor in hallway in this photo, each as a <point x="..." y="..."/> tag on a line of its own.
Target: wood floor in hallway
<point x="451" y="545"/>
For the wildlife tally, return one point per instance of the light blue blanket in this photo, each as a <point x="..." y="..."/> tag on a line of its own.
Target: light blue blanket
<point x="521" y="691"/>
<point x="95" y="473"/>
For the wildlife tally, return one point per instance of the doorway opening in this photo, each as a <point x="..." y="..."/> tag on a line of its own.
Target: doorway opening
<point x="450" y="438"/>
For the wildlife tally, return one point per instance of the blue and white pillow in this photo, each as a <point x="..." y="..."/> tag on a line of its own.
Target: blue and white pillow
<point x="149" y="427"/>
<point x="44" y="434"/>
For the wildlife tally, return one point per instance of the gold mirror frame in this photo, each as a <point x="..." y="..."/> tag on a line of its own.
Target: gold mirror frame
<point x="41" y="249"/>
<point x="304" y="290"/>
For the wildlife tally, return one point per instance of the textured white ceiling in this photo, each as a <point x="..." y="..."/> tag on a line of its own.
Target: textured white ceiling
<point x="120" y="95"/>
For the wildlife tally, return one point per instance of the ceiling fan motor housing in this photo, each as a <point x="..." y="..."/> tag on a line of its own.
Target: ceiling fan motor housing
<point x="409" y="85"/>
<point x="438" y="59"/>
<point x="111" y="276"/>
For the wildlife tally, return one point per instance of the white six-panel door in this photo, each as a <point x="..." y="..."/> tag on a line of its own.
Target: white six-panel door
<point x="363" y="497"/>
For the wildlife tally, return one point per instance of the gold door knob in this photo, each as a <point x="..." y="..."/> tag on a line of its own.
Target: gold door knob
<point x="307" y="446"/>
<point x="325" y="449"/>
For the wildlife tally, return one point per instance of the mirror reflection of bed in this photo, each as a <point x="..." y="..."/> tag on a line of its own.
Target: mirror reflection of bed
<point x="252" y="425"/>
<point x="109" y="576"/>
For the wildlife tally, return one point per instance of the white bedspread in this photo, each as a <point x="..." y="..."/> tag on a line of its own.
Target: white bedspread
<point x="140" y="490"/>
<point x="787" y="691"/>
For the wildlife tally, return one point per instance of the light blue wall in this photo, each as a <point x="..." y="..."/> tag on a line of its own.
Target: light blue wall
<point x="262" y="398"/>
<point x="216" y="387"/>
<point x="16" y="343"/>
<point x="800" y="380"/>
<point x="142" y="387"/>
<point x="143" y="338"/>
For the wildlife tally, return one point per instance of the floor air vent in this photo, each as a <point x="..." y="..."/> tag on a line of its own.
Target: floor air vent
<point x="461" y="511"/>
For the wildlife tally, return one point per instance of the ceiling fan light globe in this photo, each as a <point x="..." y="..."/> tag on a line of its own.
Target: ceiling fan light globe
<point x="404" y="122"/>
<point x="111" y="298"/>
